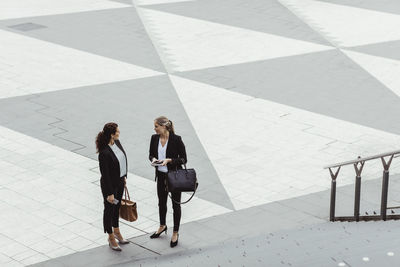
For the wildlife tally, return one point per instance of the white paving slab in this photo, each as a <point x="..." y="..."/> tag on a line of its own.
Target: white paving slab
<point x="53" y="211"/>
<point x="345" y="25"/>
<point x="29" y="65"/>
<point x="264" y="151"/>
<point x="183" y="39"/>
<point x="384" y="69"/>
<point x="155" y="2"/>
<point x="12" y="9"/>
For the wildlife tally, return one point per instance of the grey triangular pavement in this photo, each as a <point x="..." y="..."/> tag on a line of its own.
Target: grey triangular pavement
<point x="114" y="33"/>
<point x="267" y="16"/>
<point x="387" y="49"/>
<point x="66" y="119"/>
<point x="327" y="83"/>
<point x="389" y="6"/>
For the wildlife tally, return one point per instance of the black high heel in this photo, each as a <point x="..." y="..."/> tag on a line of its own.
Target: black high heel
<point x="173" y="244"/>
<point x="157" y="235"/>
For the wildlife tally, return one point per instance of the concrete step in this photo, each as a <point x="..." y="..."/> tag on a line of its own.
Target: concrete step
<point x="326" y="244"/>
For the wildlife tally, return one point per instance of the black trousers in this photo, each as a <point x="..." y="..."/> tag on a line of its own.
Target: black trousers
<point x="111" y="211"/>
<point x="162" y="201"/>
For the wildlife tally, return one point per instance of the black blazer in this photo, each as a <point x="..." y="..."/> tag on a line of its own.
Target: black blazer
<point x="110" y="169"/>
<point x="175" y="151"/>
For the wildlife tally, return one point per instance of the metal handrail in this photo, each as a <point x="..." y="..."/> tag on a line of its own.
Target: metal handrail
<point x="396" y="152"/>
<point x="358" y="167"/>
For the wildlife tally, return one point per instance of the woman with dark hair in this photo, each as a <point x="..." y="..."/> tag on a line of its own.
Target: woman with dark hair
<point x="113" y="167"/>
<point x="167" y="149"/>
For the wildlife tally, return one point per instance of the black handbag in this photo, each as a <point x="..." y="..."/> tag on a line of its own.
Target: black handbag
<point x="182" y="180"/>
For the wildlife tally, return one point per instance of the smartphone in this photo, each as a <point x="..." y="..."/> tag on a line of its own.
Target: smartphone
<point x="115" y="201"/>
<point x="157" y="163"/>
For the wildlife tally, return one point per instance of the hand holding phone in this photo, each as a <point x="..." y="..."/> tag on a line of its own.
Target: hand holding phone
<point x="157" y="162"/>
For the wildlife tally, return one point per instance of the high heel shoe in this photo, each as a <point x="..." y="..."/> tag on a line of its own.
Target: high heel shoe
<point x="173" y="244"/>
<point x="157" y="235"/>
<point x="116" y="248"/>
<point x="121" y="241"/>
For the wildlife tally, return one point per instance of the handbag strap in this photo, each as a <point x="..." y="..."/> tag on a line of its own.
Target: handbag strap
<point x="126" y="191"/>
<point x="170" y="196"/>
<point x="184" y="164"/>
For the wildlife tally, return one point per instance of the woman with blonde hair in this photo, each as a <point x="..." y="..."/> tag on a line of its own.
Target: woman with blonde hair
<point x="168" y="151"/>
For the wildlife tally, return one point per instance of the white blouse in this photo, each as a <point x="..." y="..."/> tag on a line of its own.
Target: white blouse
<point x="162" y="154"/>
<point x="121" y="159"/>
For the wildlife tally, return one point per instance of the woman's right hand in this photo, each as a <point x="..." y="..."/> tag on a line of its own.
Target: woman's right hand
<point x="110" y="198"/>
<point x="154" y="160"/>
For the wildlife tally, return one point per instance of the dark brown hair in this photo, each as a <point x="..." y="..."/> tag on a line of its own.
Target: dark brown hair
<point x="164" y="121"/>
<point x="103" y="137"/>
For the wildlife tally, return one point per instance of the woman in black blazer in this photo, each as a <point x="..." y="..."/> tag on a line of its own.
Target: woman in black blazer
<point x="113" y="167"/>
<point x="168" y="148"/>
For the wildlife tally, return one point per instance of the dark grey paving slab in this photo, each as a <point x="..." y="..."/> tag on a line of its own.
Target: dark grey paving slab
<point x="292" y="232"/>
<point x="102" y="256"/>
<point x="325" y="244"/>
<point x="115" y="33"/>
<point x="326" y="82"/>
<point x="388" y="49"/>
<point x="277" y="216"/>
<point x="72" y="118"/>
<point x="389" y="6"/>
<point x="267" y="16"/>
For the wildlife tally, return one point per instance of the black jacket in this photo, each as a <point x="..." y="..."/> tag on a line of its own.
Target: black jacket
<point x="175" y="151"/>
<point x="109" y="169"/>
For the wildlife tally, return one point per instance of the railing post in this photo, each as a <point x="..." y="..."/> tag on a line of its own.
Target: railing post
<point x="358" y="189"/>
<point x="333" y="194"/>
<point x="385" y="186"/>
<point x="358" y="166"/>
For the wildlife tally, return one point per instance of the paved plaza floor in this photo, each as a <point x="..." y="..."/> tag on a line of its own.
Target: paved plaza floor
<point x="264" y="93"/>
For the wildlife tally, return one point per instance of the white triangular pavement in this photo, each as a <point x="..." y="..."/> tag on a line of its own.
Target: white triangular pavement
<point x="58" y="192"/>
<point x="154" y="2"/>
<point x="190" y="43"/>
<point x="29" y="65"/>
<point x="12" y="9"/>
<point x="344" y="25"/>
<point x="264" y="151"/>
<point x="386" y="70"/>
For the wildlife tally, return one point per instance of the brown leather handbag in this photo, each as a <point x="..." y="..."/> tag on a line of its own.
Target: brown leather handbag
<point x="128" y="209"/>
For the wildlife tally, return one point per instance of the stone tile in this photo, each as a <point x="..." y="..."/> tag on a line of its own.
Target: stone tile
<point x="5" y="259"/>
<point x="24" y="255"/>
<point x="91" y="234"/>
<point x="62" y="236"/>
<point x="35" y="259"/>
<point x="45" y="246"/>
<point x="14" y="263"/>
<point x="13" y="248"/>
<point x="62" y="251"/>
<point x="77" y="244"/>
<point x="77" y="226"/>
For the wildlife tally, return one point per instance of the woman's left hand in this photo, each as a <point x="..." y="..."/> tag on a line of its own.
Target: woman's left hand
<point x="166" y="161"/>
<point x="125" y="180"/>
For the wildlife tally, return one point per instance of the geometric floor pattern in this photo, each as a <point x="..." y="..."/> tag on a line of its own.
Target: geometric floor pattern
<point x="263" y="92"/>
